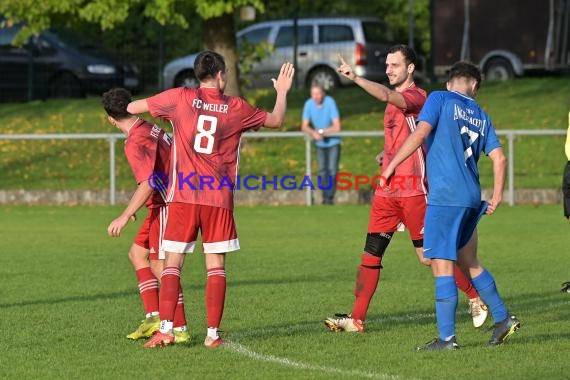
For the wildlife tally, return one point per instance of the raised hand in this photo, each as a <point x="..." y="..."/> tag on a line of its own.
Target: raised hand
<point x="345" y="69"/>
<point x="285" y="78"/>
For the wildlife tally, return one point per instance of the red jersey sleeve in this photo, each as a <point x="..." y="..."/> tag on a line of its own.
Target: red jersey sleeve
<point x="163" y="105"/>
<point x="251" y="117"/>
<point x="141" y="152"/>
<point x="415" y="99"/>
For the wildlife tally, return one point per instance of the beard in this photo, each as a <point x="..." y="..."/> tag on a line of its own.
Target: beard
<point x="397" y="81"/>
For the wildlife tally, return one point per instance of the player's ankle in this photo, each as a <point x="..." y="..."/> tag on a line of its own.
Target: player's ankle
<point x="213" y="332"/>
<point x="166" y="326"/>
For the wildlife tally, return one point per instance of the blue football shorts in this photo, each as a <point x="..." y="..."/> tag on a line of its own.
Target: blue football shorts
<point x="448" y="228"/>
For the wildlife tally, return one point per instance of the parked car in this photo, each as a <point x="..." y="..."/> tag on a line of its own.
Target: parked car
<point x="363" y="42"/>
<point x="51" y="66"/>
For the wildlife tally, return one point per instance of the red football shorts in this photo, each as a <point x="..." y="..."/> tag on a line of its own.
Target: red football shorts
<point x="151" y="232"/>
<point x="388" y="213"/>
<point x="216" y="225"/>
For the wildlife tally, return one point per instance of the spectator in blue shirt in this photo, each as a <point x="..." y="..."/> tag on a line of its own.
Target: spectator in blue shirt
<point x="321" y="120"/>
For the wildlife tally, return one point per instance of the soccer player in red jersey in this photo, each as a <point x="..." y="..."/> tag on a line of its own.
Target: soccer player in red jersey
<point x="147" y="149"/>
<point x="207" y="129"/>
<point x="404" y="200"/>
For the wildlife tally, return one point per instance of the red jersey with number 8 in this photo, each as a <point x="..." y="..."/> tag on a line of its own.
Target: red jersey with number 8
<point x="207" y="128"/>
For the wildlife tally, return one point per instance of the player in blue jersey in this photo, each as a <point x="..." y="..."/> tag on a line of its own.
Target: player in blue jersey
<point x="455" y="131"/>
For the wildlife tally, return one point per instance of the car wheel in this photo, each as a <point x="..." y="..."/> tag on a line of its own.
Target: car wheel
<point x="499" y="69"/>
<point x="66" y="85"/>
<point x="186" y="78"/>
<point x="325" y="77"/>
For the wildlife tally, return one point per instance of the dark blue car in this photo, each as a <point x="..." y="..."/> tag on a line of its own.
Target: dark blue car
<point x="50" y="65"/>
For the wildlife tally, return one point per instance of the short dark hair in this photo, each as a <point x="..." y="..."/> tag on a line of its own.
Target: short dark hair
<point x="464" y="69"/>
<point x="207" y="64"/>
<point x="408" y="53"/>
<point x="115" y="102"/>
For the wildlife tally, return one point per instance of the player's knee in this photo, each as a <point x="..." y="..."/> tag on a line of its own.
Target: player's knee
<point x="138" y="257"/>
<point x="156" y="267"/>
<point x="376" y="243"/>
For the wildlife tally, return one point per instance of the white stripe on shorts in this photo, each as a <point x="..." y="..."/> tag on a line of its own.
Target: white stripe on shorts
<point x="221" y="246"/>
<point x="178" y="246"/>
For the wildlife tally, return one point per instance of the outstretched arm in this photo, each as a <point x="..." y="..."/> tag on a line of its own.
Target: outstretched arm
<point x="377" y="90"/>
<point x="137" y="201"/>
<point x="499" y="169"/>
<point x="282" y="85"/>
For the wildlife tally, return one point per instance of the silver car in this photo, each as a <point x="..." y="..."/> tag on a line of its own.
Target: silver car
<point x="362" y="41"/>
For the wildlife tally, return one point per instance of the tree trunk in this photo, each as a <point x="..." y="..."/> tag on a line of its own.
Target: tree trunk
<point x="219" y="35"/>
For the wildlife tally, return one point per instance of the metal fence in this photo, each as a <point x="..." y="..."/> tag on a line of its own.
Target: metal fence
<point x="113" y="137"/>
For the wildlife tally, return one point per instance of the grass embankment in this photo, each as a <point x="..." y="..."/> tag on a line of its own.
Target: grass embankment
<point x="84" y="164"/>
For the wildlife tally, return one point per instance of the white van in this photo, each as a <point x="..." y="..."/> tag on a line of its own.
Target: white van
<point x="363" y="42"/>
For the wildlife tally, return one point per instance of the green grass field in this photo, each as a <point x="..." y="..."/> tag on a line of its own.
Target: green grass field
<point x="535" y="103"/>
<point x="69" y="297"/>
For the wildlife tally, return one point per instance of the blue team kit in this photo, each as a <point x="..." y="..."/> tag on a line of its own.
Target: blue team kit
<point x="454" y="202"/>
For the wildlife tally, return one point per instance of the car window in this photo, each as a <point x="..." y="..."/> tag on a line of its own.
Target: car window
<point x="376" y="32"/>
<point x="8" y="34"/>
<point x="335" y="33"/>
<point x="256" y="36"/>
<point x="44" y="46"/>
<point x="285" y="35"/>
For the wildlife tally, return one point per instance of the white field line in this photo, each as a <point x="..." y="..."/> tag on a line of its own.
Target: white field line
<point x="242" y="350"/>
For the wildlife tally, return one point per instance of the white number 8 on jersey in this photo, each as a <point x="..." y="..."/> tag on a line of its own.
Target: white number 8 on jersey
<point x="207" y="134"/>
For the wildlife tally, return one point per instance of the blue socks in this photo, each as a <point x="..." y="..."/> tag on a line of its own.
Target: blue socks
<point x="446" y="301"/>
<point x="445" y="306"/>
<point x="485" y="285"/>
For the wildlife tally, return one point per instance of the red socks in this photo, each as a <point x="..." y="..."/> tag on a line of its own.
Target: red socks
<point x="169" y="293"/>
<point x="179" y="316"/>
<point x="464" y="284"/>
<point x="215" y="295"/>
<point x="148" y="288"/>
<point x="366" y="282"/>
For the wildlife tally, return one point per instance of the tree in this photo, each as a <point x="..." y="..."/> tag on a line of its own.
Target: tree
<point x="218" y="27"/>
<point x="219" y="33"/>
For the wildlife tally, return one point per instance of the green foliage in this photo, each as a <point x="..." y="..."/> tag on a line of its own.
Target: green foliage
<point x="167" y="11"/>
<point x="107" y="13"/>
<point x="131" y="29"/>
<point x="39" y="15"/>
<point x="209" y="9"/>
<point x="250" y="55"/>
